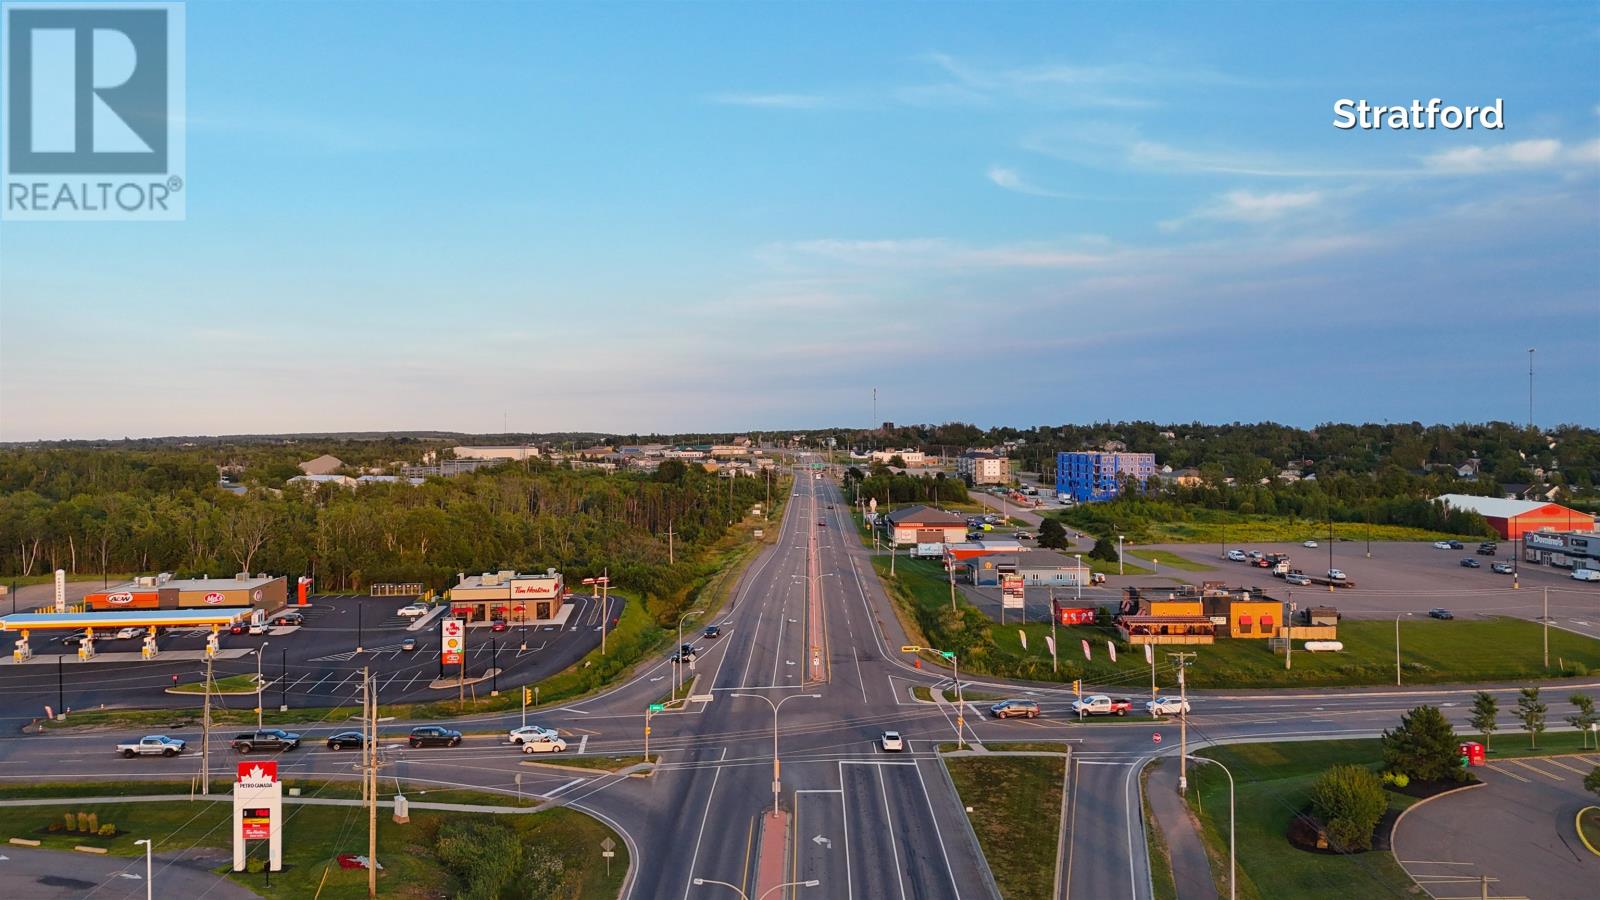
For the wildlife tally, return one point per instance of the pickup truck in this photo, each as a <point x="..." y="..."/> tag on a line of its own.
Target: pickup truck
<point x="152" y="745"/>
<point x="265" y="739"/>
<point x="1101" y="705"/>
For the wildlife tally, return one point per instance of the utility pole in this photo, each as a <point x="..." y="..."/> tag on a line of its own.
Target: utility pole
<point x="372" y="791"/>
<point x="605" y="602"/>
<point x="1181" y="660"/>
<point x="1530" y="388"/>
<point x="205" y="736"/>
<point x="671" y="534"/>
<point x="1546" y="620"/>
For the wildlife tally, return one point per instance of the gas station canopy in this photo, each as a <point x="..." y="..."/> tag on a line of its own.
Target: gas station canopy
<point x="132" y="618"/>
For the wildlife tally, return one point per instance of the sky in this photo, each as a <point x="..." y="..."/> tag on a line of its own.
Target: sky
<point x="744" y="217"/>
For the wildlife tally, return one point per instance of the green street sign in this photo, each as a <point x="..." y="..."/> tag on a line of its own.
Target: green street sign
<point x="657" y="707"/>
<point x="947" y="654"/>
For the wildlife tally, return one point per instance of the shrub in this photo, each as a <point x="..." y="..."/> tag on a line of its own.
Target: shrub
<point x="1349" y="800"/>
<point x="83" y="823"/>
<point x="484" y="856"/>
<point x="255" y="866"/>
<point x="72" y="822"/>
<point x="108" y="830"/>
<point x="1400" y="780"/>
<point x="94" y="824"/>
<point x="1424" y="747"/>
<point x="53" y="827"/>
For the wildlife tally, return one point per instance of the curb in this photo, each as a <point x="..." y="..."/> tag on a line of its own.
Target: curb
<point x="82" y="849"/>
<point x="25" y="842"/>
<point x="1577" y="822"/>
<point x="1395" y="828"/>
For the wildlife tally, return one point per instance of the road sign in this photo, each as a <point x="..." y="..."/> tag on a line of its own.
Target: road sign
<point x="1156" y="737"/>
<point x="454" y="632"/>
<point x="608" y="844"/>
<point x="657" y="707"/>
<point x="947" y="654"/>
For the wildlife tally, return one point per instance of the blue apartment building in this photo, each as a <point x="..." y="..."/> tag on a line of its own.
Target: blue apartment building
<point x="1092" y="476"/>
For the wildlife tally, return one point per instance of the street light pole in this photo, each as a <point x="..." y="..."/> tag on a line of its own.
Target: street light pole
<point x="736" y="889"/>
<point x="1397" y="647"/>
<point x="776" y="787"/>
<point x="494" y="668"/>
<point x="283" y="681"/>
<point x="149" y="892"/>
<point x="1233" y="870"/>
<point x="261" y="654"/>
<point x="677" y="667"/>
<point x="1119" y="554"/>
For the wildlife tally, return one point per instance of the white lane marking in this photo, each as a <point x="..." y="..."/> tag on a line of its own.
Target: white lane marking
<point x="894" y="848"/>
<point x="565" y="786"/>
<point x="937" y="832"/>
<point x="583" y="744"/>
<point x="695" y="859"/>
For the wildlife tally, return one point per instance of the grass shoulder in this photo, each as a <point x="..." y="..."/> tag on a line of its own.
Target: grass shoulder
<point x="1162" y="883"/>
<point x="1016" y="814"/>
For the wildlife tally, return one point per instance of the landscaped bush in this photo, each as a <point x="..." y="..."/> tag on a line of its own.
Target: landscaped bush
<point x="490" y="861"/>
<point x="1349" y="800"/>
<point x="108" y="830"/>
<point x="1424" y="747"/>
<point x="72" y="822"/>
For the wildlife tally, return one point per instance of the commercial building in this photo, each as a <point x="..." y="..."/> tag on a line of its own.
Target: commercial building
<point x="1038" y="568"/>
<point x="1092" y="476"/>
<point x="1192" y="614"/>
<point x="1514" y="518"/>
<point x="1566" y="549"/>
<point x="517" y="453"/>
<point x="909" y="457"/>
<point x="983" y="467"/>
<point x="262" y="592"/>
<point x="925" y="525"/>
<point x="322" y="465"/>
<point x="510" y="596"/>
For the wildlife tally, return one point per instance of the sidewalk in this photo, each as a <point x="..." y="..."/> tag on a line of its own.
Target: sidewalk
<point x="1191" y="870"/>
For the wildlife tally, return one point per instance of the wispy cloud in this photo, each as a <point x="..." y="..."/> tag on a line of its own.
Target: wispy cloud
<point x="1012" y="180"/>
<point x="774" y="100"/>
<point x="936" y="253"/>
<point x="1251" y="207"/>
<point x="1542" y="153"/>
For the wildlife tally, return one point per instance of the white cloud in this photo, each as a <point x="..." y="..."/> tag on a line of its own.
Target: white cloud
<point x="773" y="101"/>
<point x="936" y="253"/>
<point x="1517" y="155"/>
<point x="1251" y="207"/>
<point x="1012" y="180"/>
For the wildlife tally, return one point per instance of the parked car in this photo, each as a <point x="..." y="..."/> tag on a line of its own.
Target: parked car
<point x="409" y="644"/>
<point x="713" y="631"/>
<point x="1297" y="578"/>
<point x="1007" y="709"/>
<point x="1261" y="562"/>
<point x="152" y="745"/>
<point x="892" y="742"/>
<point x="497" y="625"/>
<point x="1455" y="545"/>
<point x="73" y="638"/>
<point x="290" y="618"/>
<point x="237" y="628"/>
<point x="531" y="732"/>
<point x="1166" y="706"/>
<point x="821" y="524"/>
<point x="1585" y="575"/>
<point x="434" y="736"/>
<point x="1237" y="555"/>
<point x="1254" y="554"/>
<point x="544" y="743"/>
<point x="1311" y="544"/>
<point x="1336" y="575"/>
<point x="1441" y="545"/>
<point x="1102" y="705"/>
<point x="125" y="633"/>
<point x="1440" y="613"/>
<point x="1488" y="548"/>
<point x="1502" y="568"/>
<point x="412" y="610"/>
<point x="345" y="739"/>
<point x="1470" y="563"/>
<point x="265" y="739"/>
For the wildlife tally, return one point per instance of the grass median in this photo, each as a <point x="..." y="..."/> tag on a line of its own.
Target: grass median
<point x="1214" y="526"/>
<point x="1016" y="813"/>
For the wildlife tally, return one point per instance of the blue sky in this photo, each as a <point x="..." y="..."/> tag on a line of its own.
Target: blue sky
<point x="744" y="217"/>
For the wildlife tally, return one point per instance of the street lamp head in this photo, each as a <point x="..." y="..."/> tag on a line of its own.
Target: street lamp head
<point x="812" y="883"/>
<point x="699" y="881"/>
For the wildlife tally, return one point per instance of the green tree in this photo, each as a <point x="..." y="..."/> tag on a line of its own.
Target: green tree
<point x="897" y="461"/>
<point x="1349" y="800"/>
<point x="1424" y="747"/>
<point x="1104" y="549"/>
<point x="1053" y="535"/>
<point x="1484" y="710"/>
<point x="1531" y="711"/>
<point x="1591" y="781"/>
<point x="1585" y="716"/>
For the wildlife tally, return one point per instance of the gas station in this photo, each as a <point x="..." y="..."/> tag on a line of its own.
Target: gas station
<point x="109" y="622"/>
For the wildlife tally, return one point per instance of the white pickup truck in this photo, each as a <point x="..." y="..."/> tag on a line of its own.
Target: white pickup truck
<point x="152" y="745"/>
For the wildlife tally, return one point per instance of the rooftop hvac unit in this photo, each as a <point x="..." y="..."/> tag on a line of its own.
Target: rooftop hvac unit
<point x="550" y="571"/>
<point x="505" y="575"/>
<point x="242" y="576"/>
<point x="163" y="578"/>
<point x="146" y="581"/>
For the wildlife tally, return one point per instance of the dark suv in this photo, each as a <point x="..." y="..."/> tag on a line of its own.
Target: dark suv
<point x="434" y="736"/>
<point x="1488" y="548"/>
<point x="265" y="739"/>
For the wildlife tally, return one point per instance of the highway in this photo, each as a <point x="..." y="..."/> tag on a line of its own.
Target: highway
<point x="865" y="824"/>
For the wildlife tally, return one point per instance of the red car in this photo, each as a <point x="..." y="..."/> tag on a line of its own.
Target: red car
<point x="498" y="625"/>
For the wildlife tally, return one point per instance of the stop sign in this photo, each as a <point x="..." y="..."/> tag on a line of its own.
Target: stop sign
<point x="1156" y="737"/>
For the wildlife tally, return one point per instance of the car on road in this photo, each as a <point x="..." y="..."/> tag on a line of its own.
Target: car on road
<point x="73" y="638"/>
<point x="292" y="618"/>
<point x="1007" y="709"/>
<point x="531" y="732"/>
<point x="265" y="739"/>
<point x="1311" y="544"/>
<point x="685" y="654"/>
<point x="713" y="631"/>
<point x="497" y="625"/>
<point x="1441" y="545"/>
<point x="1102" y="705"/>
<point x="1585" y="575"/>
<point x="1298" y="578"/>
<point x="152" y="745"/>
<point x="822" y="524"/>
<point x="1455" y="545"/>
<point x="1237" y="555"/>
<point x="1488" y="548"/>
<point x="1440" y="613"/>
<point x="1336" y="575"/>
<point x="1470" y="563"/>
<point x="1502" y="568"/>
<point x="125" y="633"/>
<point x="434" y="736"/>
<point x="412" y="610"/>
<point x="408" y="645"/>
<point x="345" y="739"/>
<point x="1254" y="554"/>
<point x="892" y="742"/>
<point x="544" y="743"/>
<point x="1023" y="536"/>
<point x="1166" y="706"/>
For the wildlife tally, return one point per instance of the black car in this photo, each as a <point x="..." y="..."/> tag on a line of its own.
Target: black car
<point x="434" y="736"/>
<point x="1455" y="545"/>
<point x="293" y="618"/>
<point x="1437" y="613"/>
<point x="344" y="739"/>
<point x="1488" y="548"/>
<point x="266" y="739"/>
<point x="1470" y="563"/>
<point x="713" y="631"/>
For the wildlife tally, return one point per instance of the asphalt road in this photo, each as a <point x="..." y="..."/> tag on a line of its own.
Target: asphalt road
<point x="866" y="824"/>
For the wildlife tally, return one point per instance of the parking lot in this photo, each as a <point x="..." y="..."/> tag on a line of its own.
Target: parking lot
<point x="315" y="664"/>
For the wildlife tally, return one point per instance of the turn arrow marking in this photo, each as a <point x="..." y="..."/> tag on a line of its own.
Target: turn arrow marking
<point x="821" y="841"/>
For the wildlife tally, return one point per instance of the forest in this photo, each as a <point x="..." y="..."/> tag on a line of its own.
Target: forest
<point x="147" y="511"/>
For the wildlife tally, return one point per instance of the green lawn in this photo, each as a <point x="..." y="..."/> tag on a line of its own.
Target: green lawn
<point x="1016" y="813"/>
<point x="233" y="684"/>
<point x="1273" y="781"/>
<point x="1109" y="567"/>
<point x="316" y="834"/>
<point x="1432" y="651"/>
<point x="607" y="763"/>
<point x="1589" y="824"/>
<point x="1163" y="885"/>
<point x="1213" y="526"/>
<point x="345" y="789"/>
<point x="1166" y="559"/>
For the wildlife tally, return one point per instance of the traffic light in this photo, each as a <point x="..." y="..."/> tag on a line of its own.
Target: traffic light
<point x="1077" y="686"/>
<point x="527" y="695"/>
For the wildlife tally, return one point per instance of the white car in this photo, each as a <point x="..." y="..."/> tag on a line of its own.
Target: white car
<point x="544" y="744"/>
<point x="413" y="610"/>
<point x="1311" y="544"/>
<point x="1441" y="545"/>
<point x="530" y="733"/>
<point x="125" y="633"/>
<point x="1237" y="555"/>
<point x="1336" y="574"/>
<point x="1585" y="575"/>
<point x="892" y="742"/>
<point x="1167" y="706"/>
